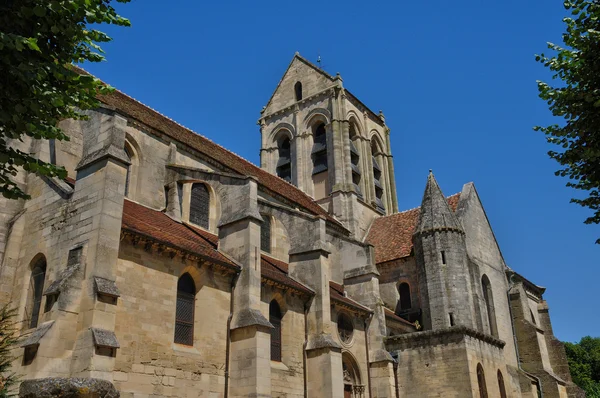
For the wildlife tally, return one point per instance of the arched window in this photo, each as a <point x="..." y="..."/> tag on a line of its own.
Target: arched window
<point x="489" y="304"/>
<point x="319" y="157"/>
<point x="184" y="314"/>
<point x="404" y="290"/>
<point x="36" y="288"/>
<point x="275" y="319"/>
<point x="481" y="382"/>
<point x="298" y="91"/>
<point x="129" y="153"/>
<point x="354" y="157"/>
<point x="265" y="234"/>
<point x="501" y="385"/>
<point x="284" y="163"/>
<point x="376" y="157"/>
<point x="200" y="205"/>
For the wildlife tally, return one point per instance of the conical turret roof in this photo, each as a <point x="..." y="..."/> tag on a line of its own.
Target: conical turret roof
<point x="435" y="211"/>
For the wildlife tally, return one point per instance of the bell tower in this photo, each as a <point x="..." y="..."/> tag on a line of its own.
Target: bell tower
<point x="319" y="137"/>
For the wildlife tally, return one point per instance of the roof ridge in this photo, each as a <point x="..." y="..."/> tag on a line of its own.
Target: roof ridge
<point x="414" y="208"/>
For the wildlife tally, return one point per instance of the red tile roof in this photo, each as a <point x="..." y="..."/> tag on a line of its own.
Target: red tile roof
<point x="277" y="271"/>
<point x="233" y="162"/>
<point x="336" y="292"/>
<point x="158" y="226"/>
<point x="392" y="235"/>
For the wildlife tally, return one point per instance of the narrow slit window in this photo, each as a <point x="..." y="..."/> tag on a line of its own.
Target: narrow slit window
<point x="36" y="284"/>
<point x="275" y="318"/>
<point x="451" y="316"/>
<point x="298" y="91"/>
<point x="443" y="257"/>
<point x="184" y="313"/>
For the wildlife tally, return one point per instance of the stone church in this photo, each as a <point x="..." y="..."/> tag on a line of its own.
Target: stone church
<point x="167" y="266"/>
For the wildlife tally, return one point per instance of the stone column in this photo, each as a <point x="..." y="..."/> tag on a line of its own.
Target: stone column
<point x="239" y="237"/>
<point x="309" y="264"/>
<point x="98" y="194"/>
<point x="362" y="285"/>
<point x="392" y="177"/>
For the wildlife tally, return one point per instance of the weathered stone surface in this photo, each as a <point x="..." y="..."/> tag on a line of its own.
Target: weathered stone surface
<point x="67" y="388"/>
<point x="35" y="337"/>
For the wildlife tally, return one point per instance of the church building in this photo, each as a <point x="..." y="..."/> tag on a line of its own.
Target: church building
<point x="167" y="266"/>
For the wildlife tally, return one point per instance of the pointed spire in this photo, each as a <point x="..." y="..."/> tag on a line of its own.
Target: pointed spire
<point x="435" y="211"/>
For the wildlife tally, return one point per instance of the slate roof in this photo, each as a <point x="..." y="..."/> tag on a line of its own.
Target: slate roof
<point x="336" y="292"/>
<point x="392" y="235"/>
<point x="231" y="161"/>
<point x="277" y="271"/>
<point x="158" y="226"/>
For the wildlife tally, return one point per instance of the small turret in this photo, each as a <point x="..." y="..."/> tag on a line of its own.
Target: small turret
<point x="441" y="256"/>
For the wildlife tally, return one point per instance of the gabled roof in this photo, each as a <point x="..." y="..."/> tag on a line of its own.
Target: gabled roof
<point x="159" y="227"/>
<point x="392" y="235"/>
<point x="300" y="58"/>
<point x="229" y="160"/>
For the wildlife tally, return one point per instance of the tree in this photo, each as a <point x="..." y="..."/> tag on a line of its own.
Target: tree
<point x="7" y="340"/>
<point x="576" y="99"/>
<point x="40" y="40"/>
<point x="584" y="364"/>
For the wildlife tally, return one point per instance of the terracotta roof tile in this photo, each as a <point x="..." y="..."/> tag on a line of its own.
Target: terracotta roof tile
<point x="233" y="162"/>
<point x="156" y="225"/>
<point x="392" y="235"/>
<point x="277" y="271"/>
<point x="336" y="292"/>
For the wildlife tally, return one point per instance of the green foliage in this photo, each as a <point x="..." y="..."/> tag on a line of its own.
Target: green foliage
<point x="8" y="338"/>
<point x="39" y="41"/>
<point x="577" y="100"/>
<point x="584" y="364"/>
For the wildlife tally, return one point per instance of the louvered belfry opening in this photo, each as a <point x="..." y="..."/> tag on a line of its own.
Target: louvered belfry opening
<point x="265" y="234"/>
<point x="275" y="319"/>
<point x="355" y="159"/>
<point x="38" y="276"/>
<point x="377" y="176"/>
<point x="319" y="151"/>
<point x="284" y="163"/>
<point x="184" y="314"/>
<point x="200" y="205"/>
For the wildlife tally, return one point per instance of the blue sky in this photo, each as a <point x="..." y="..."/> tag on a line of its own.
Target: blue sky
<point x="456" y="81"/>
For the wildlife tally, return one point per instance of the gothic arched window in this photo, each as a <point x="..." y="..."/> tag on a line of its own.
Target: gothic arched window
<point x="377" y="174"/>
<point x="265" y="234"/>
<point x="200" y="205"/>
<point x="184" y="313"/>
<point x="354" y="157"/>
<point x="298" y="91"/>
<point x="489" y="304"/>
<point x="275" y="319"/>
<point x="284" y="163"/>
<point x="501" y="385"/>
<point x="405" y="302"/>
<point x="481" y="382"/>
<point x="129" y="153"/>
<point x="36" y="286"/>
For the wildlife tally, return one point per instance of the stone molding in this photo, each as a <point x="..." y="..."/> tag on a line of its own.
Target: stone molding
<point x="70" y="387"/>
<point x="427" y="338"/>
